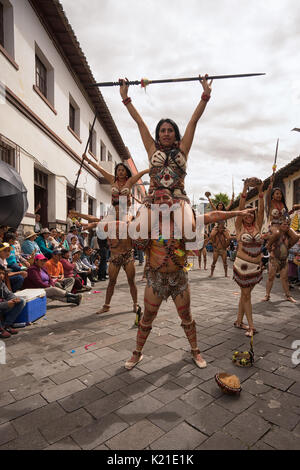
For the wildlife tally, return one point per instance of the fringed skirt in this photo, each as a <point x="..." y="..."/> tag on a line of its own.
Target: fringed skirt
<point x="246" y="274"/>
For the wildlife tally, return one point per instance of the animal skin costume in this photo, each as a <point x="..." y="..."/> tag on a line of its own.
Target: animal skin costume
<point x="245" y="273"/>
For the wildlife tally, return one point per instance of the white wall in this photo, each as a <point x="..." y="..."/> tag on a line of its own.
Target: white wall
<point x="28" y="30"/>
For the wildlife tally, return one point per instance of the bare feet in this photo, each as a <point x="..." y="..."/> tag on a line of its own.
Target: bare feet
<point x="250" y="332"/>
<point x="266" y="298"/>
<point x="240" y="325"/>
<point x="290" y="299"/>
<point x="135" y="307"/>
<point x="104" y="309"/>
<point x="134" y="360"/>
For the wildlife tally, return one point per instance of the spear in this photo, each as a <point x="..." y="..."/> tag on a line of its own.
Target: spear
<point x="144" y="81"/>
<point x="275" y="160"/>
<point x="86" y="147"/>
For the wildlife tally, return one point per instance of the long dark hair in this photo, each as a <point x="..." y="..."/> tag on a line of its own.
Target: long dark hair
<point x="282" y="197"/>
<point x="223" y="206"/>
<point x="173" y="124"/>
<point x="128" y="171"/>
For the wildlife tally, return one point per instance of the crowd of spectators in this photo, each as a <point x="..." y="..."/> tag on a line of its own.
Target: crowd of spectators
<point x="63" y="264"/>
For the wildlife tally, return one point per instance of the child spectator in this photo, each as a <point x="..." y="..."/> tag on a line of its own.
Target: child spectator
<point x="14" y="279"/>
<point x="10" y="308"/>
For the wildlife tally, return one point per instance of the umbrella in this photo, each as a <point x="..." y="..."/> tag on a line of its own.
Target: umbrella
<point x="13" y="196"/>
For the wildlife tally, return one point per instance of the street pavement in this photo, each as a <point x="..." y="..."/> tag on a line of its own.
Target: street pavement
<point x="57" y="392"/>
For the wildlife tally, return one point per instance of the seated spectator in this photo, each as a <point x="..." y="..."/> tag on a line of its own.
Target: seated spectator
<point x="25" y="262"/>
<point x="56" y="272"/>
<point x="83" y="271"/>
<point x="64" y="243"/>
<point x="70" y="272"/>
<point x="38" y="277"/>
<point x="73" y="232"/>
<point x="13" y="261"/>
<point x="74" y="246"/>
<point x="37" y="226"/>
<point x="3" y="230"/>
<point x="29" y="245"/>
<point x="10" y="308"/>
<point x="53" y="238"/>
<point x="84" y="238"/>
<point x="14" y="279"/>
<point x="86" y="261"/>
<point x="44" y="243"/>
<point x="294" y="253"/>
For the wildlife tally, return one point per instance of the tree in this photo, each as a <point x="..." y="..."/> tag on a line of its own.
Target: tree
<point x="221" y="197"/>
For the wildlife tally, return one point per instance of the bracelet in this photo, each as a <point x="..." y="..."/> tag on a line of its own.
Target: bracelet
<point x="243" y="195"/>
<point x="205" y="97"/>
<point x="261" y="196"/>
<point x="126" y="101"/>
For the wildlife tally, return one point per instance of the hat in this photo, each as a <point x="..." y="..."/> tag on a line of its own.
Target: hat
<point x="76" y="251"/>
<point x="39" y="257"/>
<point x="85" y="231"/>
<point x="45" y="230"/>
<point x="29" y="234"/>
<point x="4" y="245"/>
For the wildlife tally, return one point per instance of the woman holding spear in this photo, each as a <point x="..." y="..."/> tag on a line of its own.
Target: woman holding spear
<point x="168" y="152"/>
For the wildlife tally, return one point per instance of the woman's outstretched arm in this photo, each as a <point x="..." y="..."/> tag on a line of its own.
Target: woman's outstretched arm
<point x="136" y="177"/>
<point x="187" y="139"/>
<point x="108" y="176"/>
<point x="147" y="139"/>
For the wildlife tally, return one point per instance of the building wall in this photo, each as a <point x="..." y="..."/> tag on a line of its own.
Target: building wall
<point x="37" y="149"/>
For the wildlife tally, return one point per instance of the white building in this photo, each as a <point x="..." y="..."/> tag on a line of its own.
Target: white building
<point x="46" y="111"/>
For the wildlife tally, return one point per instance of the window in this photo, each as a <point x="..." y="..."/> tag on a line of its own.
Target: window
<point x="44" y="78"/>
<point x="91" y="206"/>
<point x="92" y="142"/>
<point x="72" y="117"/>
<point x="109" y="157"/>
<point x="1" y="25"/>
<point x="40" y="76"/>
<point x="103" y="152"/>
<point x="7" y="154"/>
<point x="7" y="43"/>
<point x="297" y="191"/>
<point x="40" y="179"/>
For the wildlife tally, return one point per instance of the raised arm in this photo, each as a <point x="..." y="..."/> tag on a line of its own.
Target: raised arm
<point x="238" y="221"/>
<point x="230" y="204"/>
<point x="90" y="218"/>
<point x="108" y="176"/>
<point x="136" y="177"/>
<point x="187" y="139"/>
<point x="261" y="206"/>
<point x="147" y="139"/>
<point x="207" y="194"/>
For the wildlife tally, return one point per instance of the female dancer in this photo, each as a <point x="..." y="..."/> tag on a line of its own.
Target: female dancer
<point x="278" y="245"/>
<point x="168" y="154"/>
<point x="247" y="271"/>
<point x="220" y="206"/>
<point x="203" y="252"/>
<point x="121" y="182"/>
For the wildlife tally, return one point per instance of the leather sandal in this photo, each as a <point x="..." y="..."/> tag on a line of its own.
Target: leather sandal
<point x="104" y="309"/>
<point x="201" y="363"/>
<point x="134" y="360"/>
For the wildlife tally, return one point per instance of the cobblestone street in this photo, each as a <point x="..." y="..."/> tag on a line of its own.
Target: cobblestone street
<point x="55" y="393"/>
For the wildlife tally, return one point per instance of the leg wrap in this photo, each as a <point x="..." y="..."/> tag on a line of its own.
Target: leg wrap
<point x="142" y="335"/>
<point x="185" y="313"/>
<point x="191" y="334"/>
